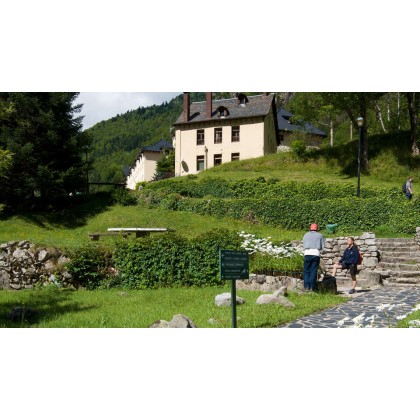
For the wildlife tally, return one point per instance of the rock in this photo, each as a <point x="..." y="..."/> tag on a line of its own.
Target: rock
<point x="161" y="323"/>
<point x="43" y="255"/>
<point x="370" y="262"/>
<point x="181" y="321"/>
<point x="213" y="321"/>
<point x="20" y="254"/>
<point x="278" y="300"/>
<point x="178" y="321"/>
<point x="282" y="291"/>
<point x="224" y="299"/>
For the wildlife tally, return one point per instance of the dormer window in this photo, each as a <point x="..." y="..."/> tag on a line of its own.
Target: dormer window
<point x="242" y="99"/>
<point x="222" y="112"/>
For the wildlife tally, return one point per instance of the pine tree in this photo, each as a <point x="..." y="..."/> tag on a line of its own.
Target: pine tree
<point x="45" y="137"/>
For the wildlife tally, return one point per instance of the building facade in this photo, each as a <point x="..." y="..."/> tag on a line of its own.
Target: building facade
<point x="213" y="132"/>
<point x="144" y="167"/>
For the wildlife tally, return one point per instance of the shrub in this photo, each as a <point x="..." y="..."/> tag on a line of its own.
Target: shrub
<point x="90" y="266"/>
<point x="298" y="148"/>
<point x="124" y="197"/>
<point x="171" y="260"/>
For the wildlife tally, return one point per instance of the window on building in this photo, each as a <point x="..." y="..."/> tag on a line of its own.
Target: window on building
<point x="217" y="160"/>
<point x="200" y="137"/>
<point x="235" y="156"/>
<point x="235" y="133"/>
<point x="222" y="112"/>
<point x="218" y="135"/>
<point x="200" y="163"/>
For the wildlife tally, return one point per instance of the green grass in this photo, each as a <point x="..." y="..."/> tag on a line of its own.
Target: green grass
<point x="139" y="309"/>
<point x="42" y="231"/>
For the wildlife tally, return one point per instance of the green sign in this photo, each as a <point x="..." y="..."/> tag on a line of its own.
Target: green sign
<point x="234" y="265"/>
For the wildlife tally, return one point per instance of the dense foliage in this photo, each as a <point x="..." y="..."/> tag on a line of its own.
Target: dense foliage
<point x="289" y="205"/>
<point x="47" y="145"/>
<point x="171" y="260"/>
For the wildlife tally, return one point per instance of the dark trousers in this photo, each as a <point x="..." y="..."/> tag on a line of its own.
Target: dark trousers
<point x="310" y="268"/>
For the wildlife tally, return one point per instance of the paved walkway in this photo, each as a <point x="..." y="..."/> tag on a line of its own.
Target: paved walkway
<point x="364" y="302"/>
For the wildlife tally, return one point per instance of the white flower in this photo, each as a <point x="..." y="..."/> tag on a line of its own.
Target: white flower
<point x="415" y="322"/>
<point x="382" y="307"/>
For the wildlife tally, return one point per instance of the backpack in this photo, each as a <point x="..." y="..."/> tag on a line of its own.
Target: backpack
<point x="404" y="188"/>
<point x="360" y="260"/>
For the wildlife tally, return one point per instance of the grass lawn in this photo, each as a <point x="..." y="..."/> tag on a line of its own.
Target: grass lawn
<point x="41" y="230"/>
<point x="59" y="308"/>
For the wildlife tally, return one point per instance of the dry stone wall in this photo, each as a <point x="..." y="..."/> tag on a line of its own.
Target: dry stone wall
<point x="22" y="266"/>
<point x="367" y="244"/>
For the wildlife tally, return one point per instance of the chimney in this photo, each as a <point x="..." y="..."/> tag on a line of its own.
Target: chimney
<point x="209" y="105"/>
<point x="186" y="106"/>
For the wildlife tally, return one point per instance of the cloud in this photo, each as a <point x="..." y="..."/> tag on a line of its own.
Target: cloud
<point x="99" y="106"/>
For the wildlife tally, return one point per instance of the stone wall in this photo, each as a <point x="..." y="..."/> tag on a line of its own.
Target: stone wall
<point x="22" y="265"/>
<point x="334" y="249"/>
<point x="417" y="236"/>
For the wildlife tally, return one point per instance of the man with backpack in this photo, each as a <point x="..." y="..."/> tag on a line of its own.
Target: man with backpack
<point x="407" y="188"/>
<point x="349" y="261"/>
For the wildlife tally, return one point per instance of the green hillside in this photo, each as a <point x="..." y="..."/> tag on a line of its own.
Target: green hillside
<point x="117" y="141"/>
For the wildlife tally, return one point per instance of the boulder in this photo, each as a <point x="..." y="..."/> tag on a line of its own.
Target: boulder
<point x="181" y="321"/>
<point x="224" y="299"/>
<point x="278" y="300"/>
<point x="178" y="321"/>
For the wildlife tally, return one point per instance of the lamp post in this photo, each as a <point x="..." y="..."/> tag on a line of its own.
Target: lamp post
<point x="359" y="156"/>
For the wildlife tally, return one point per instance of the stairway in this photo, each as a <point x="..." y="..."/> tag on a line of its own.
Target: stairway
<point x="399" y="262"/>
<point x="399" y="265"/>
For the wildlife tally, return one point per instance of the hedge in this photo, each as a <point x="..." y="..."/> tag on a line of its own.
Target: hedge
<point x="171" y="260"/>
<point x="262" y="188"/>
<point x="297" y="212"/>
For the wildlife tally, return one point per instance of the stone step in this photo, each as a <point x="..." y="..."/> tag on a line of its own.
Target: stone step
<point x="392" y="266"/>
<point x="400" y="260"/>
<point x="402" y="280"/>
<point x="395" y="241"/>
<point x="401" y="248"/>
<point x="406" y="254"/>
<point x="405" y="274"/>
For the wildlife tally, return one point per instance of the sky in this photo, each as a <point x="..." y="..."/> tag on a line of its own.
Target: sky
<point x="99" y="106"/>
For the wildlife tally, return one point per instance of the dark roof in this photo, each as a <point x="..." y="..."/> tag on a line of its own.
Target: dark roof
<point x="258" y="105"/>
<point x="161" y="144"/>
<point x="284" y="124"/>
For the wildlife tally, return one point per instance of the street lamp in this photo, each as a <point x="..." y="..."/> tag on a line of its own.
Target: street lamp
<point x="359" y="156"/>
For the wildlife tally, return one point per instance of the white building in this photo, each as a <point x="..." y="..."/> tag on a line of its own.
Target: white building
<point x="213" y="132"/>
<point x="144" y="167"/>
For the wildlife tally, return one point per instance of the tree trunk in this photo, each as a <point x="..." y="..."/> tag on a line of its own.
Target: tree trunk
<point x="351" y="131"/>
<point x="389" y="107"/>
<point x="413" y="99"/>
<point x="398" y="110"/>
<point x="379" y="116"/>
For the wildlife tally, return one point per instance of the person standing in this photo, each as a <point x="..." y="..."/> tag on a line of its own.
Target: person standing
<point x="349" y="261"/>
<point x="409" y="188"/>
<point x="313" y="244"/>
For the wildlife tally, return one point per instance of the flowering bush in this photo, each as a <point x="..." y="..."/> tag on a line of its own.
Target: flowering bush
<point x="268" y="257"/>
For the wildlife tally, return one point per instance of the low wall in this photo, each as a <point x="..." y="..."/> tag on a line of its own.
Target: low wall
<point x="22" y="266"/>
<point x="335" y="247"/>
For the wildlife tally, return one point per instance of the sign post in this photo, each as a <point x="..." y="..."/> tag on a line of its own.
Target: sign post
<point x="233" y="265"/>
